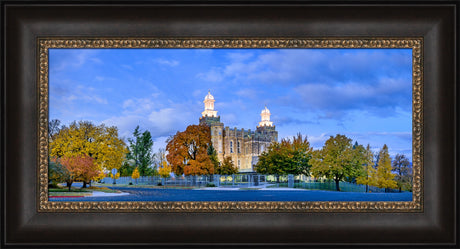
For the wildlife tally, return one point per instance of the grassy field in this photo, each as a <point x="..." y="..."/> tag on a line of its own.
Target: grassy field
<point x="74" y="191"/>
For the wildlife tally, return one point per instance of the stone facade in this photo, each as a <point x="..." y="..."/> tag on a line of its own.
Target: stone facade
<point x="244" y="146"/>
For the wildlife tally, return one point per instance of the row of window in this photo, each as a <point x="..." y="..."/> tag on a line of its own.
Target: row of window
<point x="238" y="148"/>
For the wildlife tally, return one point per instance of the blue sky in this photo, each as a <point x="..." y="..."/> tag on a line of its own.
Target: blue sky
<point x="365" y="94"/>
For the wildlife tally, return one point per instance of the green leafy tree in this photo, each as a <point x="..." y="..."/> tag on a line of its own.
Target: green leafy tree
<point x="227" y="167"/>
<point x="385" y="178"/>
<point x="368" y="177"/>
<point x="140" y="150"/>
<point x="57" y="173"/>
<point x="212" y="153"/>
<point x="337" y="160"/>
<point x="127" y="168"/>
<point x="403" y="170"/>
<point x="286" y="157"/>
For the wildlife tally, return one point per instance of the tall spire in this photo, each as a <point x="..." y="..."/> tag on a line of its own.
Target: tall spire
<point x="209" y="106"/>
<point x="265" y="117"/>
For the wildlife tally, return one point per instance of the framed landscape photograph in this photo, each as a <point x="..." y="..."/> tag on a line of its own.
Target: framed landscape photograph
<point x="139" y="123"/>
<point x="231" y="125"/>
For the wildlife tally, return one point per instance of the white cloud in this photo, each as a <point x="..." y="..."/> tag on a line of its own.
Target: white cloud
<point x="198" y="93"/>
<point x="103" y="78"/>
<point x="214" y="75"/>
<point x="239" y="56"/>
<point x="400" y="135"/>
<point x="335" y="99"/>
<point x="129" y="67"/>
<point x="159" y="143"/>
<point x="78" y="58"/>
<point x="81" y="93"/>
<point x="162" y="120"/>
<point x="171" y="63"/>
<point x="317" y="142"/>
<point x="159" y="123"/>
<point x="248" y="93"/>
<point x="138" y="106"/>
<point x="229" y="119"/>
<point x="96" y="60"/>
<point x="300" y="66"/>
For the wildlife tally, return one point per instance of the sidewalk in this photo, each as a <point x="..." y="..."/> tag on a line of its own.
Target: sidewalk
<point x="103" y="194"/>
<point x="260" y="187"/>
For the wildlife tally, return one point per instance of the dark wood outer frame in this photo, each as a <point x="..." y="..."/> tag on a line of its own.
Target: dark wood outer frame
<point x="24" y="225"/>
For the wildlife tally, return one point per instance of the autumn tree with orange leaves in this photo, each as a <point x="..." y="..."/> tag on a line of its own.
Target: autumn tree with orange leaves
<point x="78" y="168"/>
<point x="187" y="151"/>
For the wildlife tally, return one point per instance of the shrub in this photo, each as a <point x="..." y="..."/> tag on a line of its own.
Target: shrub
<point x="130" y="183"/>
<point x="52" y="185"/>
<point x="210" y="185"/>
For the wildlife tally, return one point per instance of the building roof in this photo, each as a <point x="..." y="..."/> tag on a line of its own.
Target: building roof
<point x="265" y="110"/>
<point x="209" y="96"/>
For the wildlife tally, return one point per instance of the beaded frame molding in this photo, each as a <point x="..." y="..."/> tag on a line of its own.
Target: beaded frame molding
<point x="416" y="205"/>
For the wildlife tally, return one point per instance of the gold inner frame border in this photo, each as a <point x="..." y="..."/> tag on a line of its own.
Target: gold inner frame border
<point x="414" y="43"/>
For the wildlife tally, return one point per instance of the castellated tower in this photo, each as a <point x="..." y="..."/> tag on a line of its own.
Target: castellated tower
<point x="244" y="146"/>
<point x="209" y="117"/>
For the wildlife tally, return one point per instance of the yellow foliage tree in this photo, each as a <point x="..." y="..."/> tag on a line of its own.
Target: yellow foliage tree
<point x="100" y="176"/>
<point x="84" y="138"/>
<point x="165" y="169"/>
<point x="135" y="174"/>
<point x="117" y="175"/>
<point x="385" y="179"/>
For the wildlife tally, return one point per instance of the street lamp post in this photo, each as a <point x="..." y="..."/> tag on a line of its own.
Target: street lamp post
<point x="114" y="173"/>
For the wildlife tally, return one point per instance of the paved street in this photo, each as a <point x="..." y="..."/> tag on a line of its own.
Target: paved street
<point x="146" y="194"/>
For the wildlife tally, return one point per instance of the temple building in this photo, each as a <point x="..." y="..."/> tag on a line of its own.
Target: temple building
<point x="244" y="146"/>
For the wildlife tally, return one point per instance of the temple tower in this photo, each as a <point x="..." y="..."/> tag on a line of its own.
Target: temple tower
<point x="209" y="106"/>
<point x="265" y="118"/>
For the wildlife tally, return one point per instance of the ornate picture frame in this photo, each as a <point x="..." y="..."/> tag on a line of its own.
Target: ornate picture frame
<point x="416" y="205"/>
<point x="29" y="219"/>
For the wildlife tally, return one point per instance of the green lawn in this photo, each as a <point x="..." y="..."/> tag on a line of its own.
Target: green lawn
<point x="79" y="191"/>
<point x="70" y="193"/>
<point x="73" y="190"/>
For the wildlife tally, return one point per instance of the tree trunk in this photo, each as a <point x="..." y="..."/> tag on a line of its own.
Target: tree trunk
<point x="399" y="189"/>
<point x="277" y="179"/>
<point x="69" y="184"/>
<point x="84" y="184"/>
<point x="367" y="188"/>
<point x="337" y="187"/>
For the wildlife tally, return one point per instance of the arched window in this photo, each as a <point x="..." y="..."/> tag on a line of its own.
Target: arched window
<point x="238" y="147"/>
<point x="231" y="146"/>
